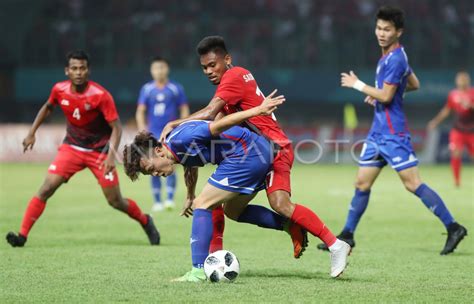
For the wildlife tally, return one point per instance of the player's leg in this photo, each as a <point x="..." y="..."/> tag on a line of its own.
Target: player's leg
<point x="201" y="232"/>
<point x="156" y="190"/>
<point x="412" y="181"/>
<point x="456" y="148"/>
<point x="170" y="190"/>
<point x="218" y="223"/>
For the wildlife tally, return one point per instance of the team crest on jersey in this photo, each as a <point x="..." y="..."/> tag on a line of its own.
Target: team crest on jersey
<point x="87" y="106"/>
<point x="65" y="102"/>
<point x="160" y="97"/>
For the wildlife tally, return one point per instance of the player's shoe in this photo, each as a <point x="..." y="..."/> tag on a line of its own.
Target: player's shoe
<point x="456" y="233"/>
<point x="345" y="236"/>
<point x="299" y="237"/>
<point x="157" y="207"/>
<point x="15" y="240"/>
<point x="195" y="275"/>
<point x="340" y="250"/>
<point x="151" y="231"/>
<point x="169" y="205"/>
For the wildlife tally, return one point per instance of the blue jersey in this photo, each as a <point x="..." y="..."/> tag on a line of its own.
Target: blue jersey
<point x="392" y="69"/>
<point x="243" y="157"/>
<point x="162" y="104"/>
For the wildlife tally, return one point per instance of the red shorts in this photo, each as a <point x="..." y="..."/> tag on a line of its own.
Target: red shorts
<point x="458" y="140"/>
<point x="279" y="177"/>
<point x="70" y="160"/>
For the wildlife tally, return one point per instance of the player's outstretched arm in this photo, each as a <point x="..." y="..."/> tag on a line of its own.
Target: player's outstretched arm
<point x="43" y="113"/>
<point x="190" y="179"/>
<point x="207" y="113"/>
<point x="439" y="118"/>
<point x="384" y="95"/>
<point x="269" y="104"/>
<point x="413" y="83"/>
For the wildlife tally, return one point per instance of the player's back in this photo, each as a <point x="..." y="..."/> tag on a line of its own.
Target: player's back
<point x="392" y="69"/>
<point x="239" y="89"/>
<point x="193" y="145"/>
<point x="88" y="114"/>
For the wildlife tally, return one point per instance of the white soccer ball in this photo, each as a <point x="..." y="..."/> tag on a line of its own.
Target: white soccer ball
<point x="221" y="266"/>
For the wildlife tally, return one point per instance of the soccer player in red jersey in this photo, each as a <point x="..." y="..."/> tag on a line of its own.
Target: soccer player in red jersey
<point x="93" y="135"/>
<point x="461" y="103"/>
<point x="237" y="90"/>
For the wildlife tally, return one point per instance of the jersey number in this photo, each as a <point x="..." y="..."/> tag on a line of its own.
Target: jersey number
<point x="259" y="93"/>
<point x="159" y="109"/>
<point x="76" y="114"/>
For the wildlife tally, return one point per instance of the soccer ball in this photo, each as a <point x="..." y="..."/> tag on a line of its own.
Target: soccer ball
<point x="221" y="266"/>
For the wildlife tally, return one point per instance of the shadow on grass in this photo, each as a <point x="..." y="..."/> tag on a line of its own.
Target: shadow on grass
<point x="277" y="273"/>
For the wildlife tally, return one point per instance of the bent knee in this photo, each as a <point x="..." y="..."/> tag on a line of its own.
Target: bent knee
<point x="412" y="185"/>
<point x="282" y="205"/>
<point x="362" y="185"/>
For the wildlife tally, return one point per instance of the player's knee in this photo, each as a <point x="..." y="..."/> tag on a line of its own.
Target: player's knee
<point x="115" y="201"/>
<point x="199" y="203"/>
<point x="362" y="185"/>
<point x="46" y="191"/>
<point x="412" y="185"/>
<point x="231" y="215"/>
<point x="282" y="205"/>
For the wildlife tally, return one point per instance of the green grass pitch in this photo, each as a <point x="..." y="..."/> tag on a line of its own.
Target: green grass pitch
<point x="81" y="250"/>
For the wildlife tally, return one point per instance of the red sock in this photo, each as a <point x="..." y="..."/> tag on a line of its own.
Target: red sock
<point x="33" y="212"/>
<point x="135" y="213"/>
<point x="217" y="241"/>
<point x="311" y="222"/>
<point x="456" y="168"/>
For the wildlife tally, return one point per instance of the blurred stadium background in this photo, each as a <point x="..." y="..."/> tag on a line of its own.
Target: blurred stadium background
<point x="297" y="46"/>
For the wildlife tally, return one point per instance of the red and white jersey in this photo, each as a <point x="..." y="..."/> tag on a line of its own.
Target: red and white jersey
<point x="239" y="89"/>
<point x="88" y="114"/>
<point x="462" y="103"/>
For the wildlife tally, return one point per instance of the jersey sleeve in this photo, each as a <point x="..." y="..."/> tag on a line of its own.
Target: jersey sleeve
<point x="53" y="96"/>
<point x="450" y="101"/>
<point x="107" y="107"/>
<point x="142" y="96"/>
<point x="182" y="99"/>
<point x="395" y="69"/>
<point x="230" y="88"/>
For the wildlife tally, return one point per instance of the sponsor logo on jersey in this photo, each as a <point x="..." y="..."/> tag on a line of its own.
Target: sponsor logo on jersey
<point x="160" y="97"/>
<point x="397" y="159"/>
<point x="65" y="102"/>
<point x="52" y="167"/>
<point x="87" y="106"/>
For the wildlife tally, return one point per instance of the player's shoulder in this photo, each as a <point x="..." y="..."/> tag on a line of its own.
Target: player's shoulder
<point x="62" y="86"/>
<point x="96" y="89"/>
<point x="175" y="87"/>
<point x="148" y="86"/>
<point x="397" y="56"/>
<point x="236" y="72"/>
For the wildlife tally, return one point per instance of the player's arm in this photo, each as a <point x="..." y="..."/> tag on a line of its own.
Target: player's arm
<point x="207" y="113"/>
<point x="439" y="118"/>
<point x="184" y="111"/>
<point x="115" y="136"/>
<point x="384" y="95"/>
<point x="413" y="83"/>
<point x="190" y="179"/>
<point x="267" y="107"/>
<point x="43" y="113"/>
<point x="140" y="117"/>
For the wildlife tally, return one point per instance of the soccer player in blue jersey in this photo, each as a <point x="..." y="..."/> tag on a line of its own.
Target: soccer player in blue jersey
<point x="160" y="102"/>
<point x="244" y="160"/>
<point x="388" y="140"/>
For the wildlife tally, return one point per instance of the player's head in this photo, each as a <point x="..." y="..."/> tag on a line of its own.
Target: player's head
<point x="159" y="69"/>
<point x="146" y="155"/>
<point x="214" y="58"/>
<point x="389" y="25"/>
<point x="77" y="67"/>
<point x="463" y="80"/>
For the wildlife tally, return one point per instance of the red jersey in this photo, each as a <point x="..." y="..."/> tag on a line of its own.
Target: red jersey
<point x="240" y="91"/>
<point x="88" y="114"/>
<point x="462" y="103"/>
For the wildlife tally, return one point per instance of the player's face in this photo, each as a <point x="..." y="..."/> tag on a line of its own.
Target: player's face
<point x="159" y="70"/>
<point x="386" y="33"/>
<point x="77" y="71"/>
<point x="158" y="164"/>
<point x="214" y="66"/>
<point x="463" y="81"/>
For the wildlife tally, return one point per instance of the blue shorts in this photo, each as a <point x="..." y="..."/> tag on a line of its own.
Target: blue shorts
<point x="245" y="174"/>
<point x="380" y="149"/>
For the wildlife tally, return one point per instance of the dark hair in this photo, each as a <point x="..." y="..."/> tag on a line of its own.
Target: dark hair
<point x="392" y="14"/>
<point x="209" y="44"/>
<point x="77" y="54"/>
<point x="142" y="147"/>
<point x="157" y="59"/>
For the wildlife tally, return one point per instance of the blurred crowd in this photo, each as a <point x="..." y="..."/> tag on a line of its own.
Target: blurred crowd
<point x="274" y="33"/>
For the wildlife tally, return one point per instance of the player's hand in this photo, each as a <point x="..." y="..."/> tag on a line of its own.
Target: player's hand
<point x="28" y="142"/>
<point x="270" y="103"/>
<point x="187" y="210"/>
<point x="166" y="130"/>
<point x="370" y="100"/>
<point x="109" y="164"/>
<point x="348" y="80"/>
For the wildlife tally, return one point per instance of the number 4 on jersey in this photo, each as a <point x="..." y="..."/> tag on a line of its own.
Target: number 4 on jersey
<point x="76" y="114"/>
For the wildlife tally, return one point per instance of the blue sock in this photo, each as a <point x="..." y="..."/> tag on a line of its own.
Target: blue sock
<point x="201" y="235"/>
<point x="261" y="216"/>
<point x="156" y="188"/>
<point x="356" y="209"/>
<point x="171" y="186"/>
<point x="432" y="200"/>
